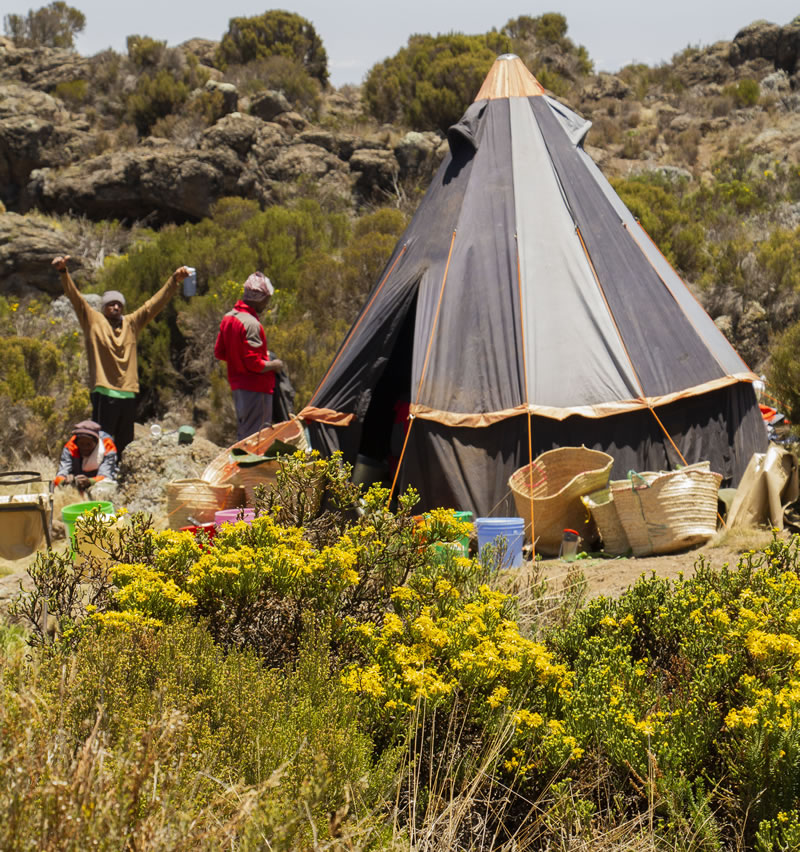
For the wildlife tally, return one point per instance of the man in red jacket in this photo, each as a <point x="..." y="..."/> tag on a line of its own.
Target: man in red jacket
<point x="242" y="344"/>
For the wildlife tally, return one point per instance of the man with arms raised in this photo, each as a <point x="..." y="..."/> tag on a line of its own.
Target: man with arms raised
<point x="110" y="336"/>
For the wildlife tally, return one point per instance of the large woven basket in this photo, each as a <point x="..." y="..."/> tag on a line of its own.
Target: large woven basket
<point x="603" y="510"/>
<point x="664" y="512"/>
<point x="552" y="485"/>
<point x="191" y="501"/>
<point x="224" y="469"/>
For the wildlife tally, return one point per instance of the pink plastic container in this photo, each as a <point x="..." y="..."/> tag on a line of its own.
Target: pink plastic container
<point x="231" y="516"/>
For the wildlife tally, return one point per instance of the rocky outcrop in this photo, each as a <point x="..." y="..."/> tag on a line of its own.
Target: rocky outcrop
<point x="157" y="182"/>
<point x="605" y="86"/>
<point x="41" y="68"/>
<point x="36" y="131"/>
<point x="765" y="40"/>
<point x="268" y="105"/>
<point x="28" y="244"/>
<point x="377" y="172"/>
<point x="418" y="155"/>
<point x="203" y="48"/>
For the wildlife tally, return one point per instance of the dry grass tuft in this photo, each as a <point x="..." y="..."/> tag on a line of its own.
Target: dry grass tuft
<point x="742" y="539"/>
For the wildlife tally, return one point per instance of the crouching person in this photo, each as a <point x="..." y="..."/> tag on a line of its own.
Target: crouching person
<point x="88" y="457"/>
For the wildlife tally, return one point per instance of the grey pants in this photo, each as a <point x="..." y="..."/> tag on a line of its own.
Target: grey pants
<point x="253" y="412"/>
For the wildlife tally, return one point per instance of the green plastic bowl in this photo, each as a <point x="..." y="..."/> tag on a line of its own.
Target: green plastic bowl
<point x="71" y="513"/>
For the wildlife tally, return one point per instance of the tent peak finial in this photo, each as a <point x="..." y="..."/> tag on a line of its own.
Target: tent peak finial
<point x="509" y="78"/>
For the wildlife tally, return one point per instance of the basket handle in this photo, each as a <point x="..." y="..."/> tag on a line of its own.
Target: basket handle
<point x="632" y="474"/>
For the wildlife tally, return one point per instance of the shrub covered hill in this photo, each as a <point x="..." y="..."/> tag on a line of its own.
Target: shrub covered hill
<point x="238" y="154"/>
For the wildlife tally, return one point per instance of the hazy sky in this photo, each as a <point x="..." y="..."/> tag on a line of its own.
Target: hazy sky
<point x="357" y="34"/>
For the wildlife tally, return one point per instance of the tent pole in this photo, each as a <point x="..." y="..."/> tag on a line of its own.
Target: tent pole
<point x="411" y="419"/>
<point x="527" y="403"/>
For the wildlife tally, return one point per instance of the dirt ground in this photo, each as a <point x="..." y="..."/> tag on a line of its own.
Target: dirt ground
<point x="612" y="576"/>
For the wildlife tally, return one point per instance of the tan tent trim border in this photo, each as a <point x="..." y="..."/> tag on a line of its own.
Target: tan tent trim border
<point x="454" y="418"/>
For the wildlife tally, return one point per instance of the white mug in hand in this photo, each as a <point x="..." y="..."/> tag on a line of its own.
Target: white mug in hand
<point x="190" y="282"/>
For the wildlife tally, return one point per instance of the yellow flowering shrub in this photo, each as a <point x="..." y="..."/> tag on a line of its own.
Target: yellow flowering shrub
<point x="254" y="584"/>
<point x="447" y="647"/>
<point x="700" y="678"/>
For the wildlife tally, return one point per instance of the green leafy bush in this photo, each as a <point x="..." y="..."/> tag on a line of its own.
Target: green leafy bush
<point x="745" y="93"/>
<point x="156" y="739"/>
<point x="165" y="77"/>
<point x="72" y="92"/>
<point x="429" y="83"/>
<point x="42" y="391"/>
<point x="155" y="97"/>
<point x="784" y="370"/>
<point x="275" y="33"/>
<point x="55" y="25"/>
<point x="694" y="684"/>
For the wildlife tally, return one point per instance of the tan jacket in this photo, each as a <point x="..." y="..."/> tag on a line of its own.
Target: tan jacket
<point x="112" y="351"/>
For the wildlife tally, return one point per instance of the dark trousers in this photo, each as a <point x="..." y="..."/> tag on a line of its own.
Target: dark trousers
<point x="115" y="416"/>
<point x="253" y="412"/>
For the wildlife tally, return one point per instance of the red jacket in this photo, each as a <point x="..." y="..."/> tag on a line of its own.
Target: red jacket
<point x="242" y="344"/>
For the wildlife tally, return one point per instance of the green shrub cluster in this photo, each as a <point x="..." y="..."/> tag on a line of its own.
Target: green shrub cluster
<point x="429" y="83"/>
<point x="159" y="740"/>
<point x="72" y="92"/>
<point x="689" y="692"/>
<point x="42" y="386"/>
<point x="165" y="79"/>
<point x="745" y="93"/>
<point x="275" y="33"/>
<point x="55" y="25"/>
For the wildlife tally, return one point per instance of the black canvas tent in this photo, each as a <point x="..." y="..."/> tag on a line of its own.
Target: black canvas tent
<point x="523" y="309"/>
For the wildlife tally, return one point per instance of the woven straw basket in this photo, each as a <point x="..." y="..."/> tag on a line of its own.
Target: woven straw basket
<point x="603" y="510"/>
<point x="190" y="500"/>
<point x="664" y="512"/>
<point x="258" y="474"/>
<point x="559" y="478"/>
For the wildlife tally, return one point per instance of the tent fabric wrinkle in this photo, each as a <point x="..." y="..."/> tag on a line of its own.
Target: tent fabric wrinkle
<point x="525" y="309"/>
<point x="573" y="125"/>
<point x="465" y="131"/>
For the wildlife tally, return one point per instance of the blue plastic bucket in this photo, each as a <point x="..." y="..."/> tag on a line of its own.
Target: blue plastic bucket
<point x="489" y="530"/>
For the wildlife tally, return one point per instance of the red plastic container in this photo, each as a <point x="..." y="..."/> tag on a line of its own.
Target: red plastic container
<point x="209" y="529"/>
